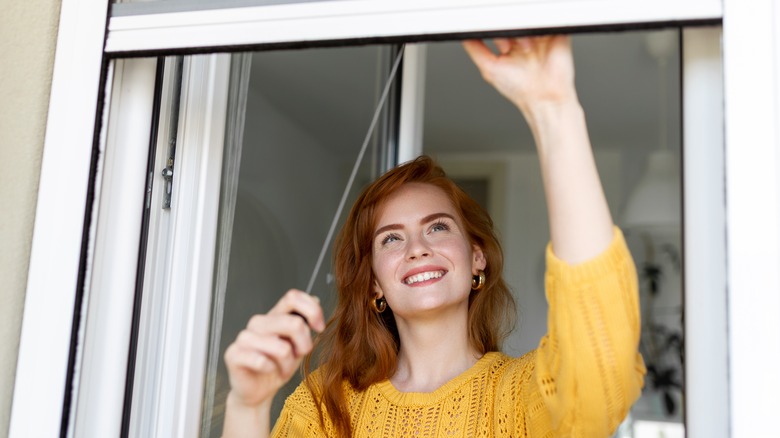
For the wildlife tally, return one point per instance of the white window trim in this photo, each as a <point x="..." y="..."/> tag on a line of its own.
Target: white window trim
<point x="339" y="20"/>
<point x="153" y="307"/>
<point x="183" y="259"/>
<point x="751" y="116"/>
<point x="751" y="54"/>
<point x="55" y="256"/>
<point x="410" y="128"/>
<point x="706" y="352"/>
<point x="109" y="297"/>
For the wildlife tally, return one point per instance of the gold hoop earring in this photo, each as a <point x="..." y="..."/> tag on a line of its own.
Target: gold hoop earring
<point x="380" y="304"/>
<point x="478" y="281"/>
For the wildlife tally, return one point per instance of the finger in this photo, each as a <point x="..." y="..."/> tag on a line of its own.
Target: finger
<point x="251" y="340"/>
<point x="482" y="56"/>
<point x="548" y="42"/>
<point x="286" y="327"/>
<point x="305" y="305"/>
<point x="309" y="308"/>
<point x="280" y="352"/>
<point x="252" y="360"/>
<point x="525" y="45"/>
<point x="283" y="354"/>
<point x="560" y="41"/>
<point x="504" y="45"/>
<point x="300" y="316"/>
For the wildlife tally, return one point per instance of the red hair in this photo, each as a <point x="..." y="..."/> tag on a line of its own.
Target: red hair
<point x="360" y="346"/>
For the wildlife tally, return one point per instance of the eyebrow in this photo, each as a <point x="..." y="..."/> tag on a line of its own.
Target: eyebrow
<point x="426" y="219"/>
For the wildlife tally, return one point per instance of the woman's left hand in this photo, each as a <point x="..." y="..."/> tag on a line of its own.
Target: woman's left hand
<point x="528" y="71"/>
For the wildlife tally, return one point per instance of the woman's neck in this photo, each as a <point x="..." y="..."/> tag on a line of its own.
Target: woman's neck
<point x="432" y="353"/>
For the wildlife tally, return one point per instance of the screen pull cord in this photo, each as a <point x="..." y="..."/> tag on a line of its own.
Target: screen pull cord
<point x="355" y="168"/>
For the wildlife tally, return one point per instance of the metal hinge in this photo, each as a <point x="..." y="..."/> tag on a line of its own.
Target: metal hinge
<point x="167" y="174"/>
<point x="148" y="195"/>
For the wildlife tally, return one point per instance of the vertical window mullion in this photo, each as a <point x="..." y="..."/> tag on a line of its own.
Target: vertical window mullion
<point x="704" y="245"/>
<point x="105" y="330"/>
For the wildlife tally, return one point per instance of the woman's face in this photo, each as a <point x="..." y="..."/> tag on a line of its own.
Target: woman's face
<point x="422" y="258"/>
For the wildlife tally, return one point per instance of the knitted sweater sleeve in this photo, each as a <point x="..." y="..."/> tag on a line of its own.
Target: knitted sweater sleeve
<point x="587" y="369"/>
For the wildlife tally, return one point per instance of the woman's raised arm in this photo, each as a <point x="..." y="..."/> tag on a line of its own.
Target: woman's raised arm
<point x="537" y="75"/>
<point x="587" y="371"/>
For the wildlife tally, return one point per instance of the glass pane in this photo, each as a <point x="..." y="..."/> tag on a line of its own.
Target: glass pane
<point x="307" y="114"/>
<point x="629" y="86"/>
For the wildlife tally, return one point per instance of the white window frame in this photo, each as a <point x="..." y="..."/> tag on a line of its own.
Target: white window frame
<point x="340" y="20"/>
<point x="748" y="249"/>
<point x="180" y="261"/>
<point x="706" y="407"/>
<point x="111" y="274"/>
<point x="751" y="68"/>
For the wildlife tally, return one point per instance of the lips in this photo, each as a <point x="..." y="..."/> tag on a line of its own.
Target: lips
<point x="423" y="274"/>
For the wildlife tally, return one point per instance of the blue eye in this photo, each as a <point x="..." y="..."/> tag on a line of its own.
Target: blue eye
<point x="390" y="238"/>
<point x="440" y="226"/>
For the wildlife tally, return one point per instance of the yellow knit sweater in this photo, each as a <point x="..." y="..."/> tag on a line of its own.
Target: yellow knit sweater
<point x="579" y="382"/>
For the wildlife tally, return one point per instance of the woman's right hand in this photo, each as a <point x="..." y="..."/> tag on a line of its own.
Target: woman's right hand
<point x="267" y="353"/>
<point x="529" y="71"/>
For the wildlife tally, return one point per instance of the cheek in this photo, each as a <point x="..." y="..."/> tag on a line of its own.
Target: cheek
<point x="385" y="265"/>
<point x="458" y="248"/>
<point x="380" y="265"/>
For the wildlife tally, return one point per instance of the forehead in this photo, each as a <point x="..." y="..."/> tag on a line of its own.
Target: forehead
<point x="414" y="200"/>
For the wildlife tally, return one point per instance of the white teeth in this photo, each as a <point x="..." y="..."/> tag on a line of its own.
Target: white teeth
<point x="423" y="276"/>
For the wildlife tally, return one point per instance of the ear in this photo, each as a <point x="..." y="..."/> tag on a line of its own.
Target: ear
<point x="378" y="290"/>
<point x="478" y="260"/>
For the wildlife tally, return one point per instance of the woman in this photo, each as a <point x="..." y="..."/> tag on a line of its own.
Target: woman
<point x="413" y="346"/>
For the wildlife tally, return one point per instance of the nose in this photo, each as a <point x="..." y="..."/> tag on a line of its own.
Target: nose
<point x="417" y="248"/>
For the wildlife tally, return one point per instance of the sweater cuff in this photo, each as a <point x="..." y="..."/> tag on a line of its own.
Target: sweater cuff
<point x="613" y="257"/>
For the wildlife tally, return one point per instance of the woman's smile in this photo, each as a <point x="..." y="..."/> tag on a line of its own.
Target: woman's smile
<point x="424" y="276"/>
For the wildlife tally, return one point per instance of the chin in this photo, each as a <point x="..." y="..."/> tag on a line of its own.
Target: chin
<point x="429" y="307"/>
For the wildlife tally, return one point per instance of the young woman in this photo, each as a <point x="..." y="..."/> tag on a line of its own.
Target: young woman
<point x="414" y="345"/>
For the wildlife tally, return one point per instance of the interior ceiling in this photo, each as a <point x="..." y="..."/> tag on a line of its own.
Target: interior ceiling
<point x="330" y="93"/>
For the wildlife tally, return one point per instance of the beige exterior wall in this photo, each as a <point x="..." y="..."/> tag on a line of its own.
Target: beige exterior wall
<point x="28" y="34"/>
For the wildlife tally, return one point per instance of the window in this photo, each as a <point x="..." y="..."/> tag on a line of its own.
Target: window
<point x="305" y="116"/>
<point x="143" y="35"/>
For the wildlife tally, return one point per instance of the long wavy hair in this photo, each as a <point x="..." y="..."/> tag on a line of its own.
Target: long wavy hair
<point x="360" y="346"/>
